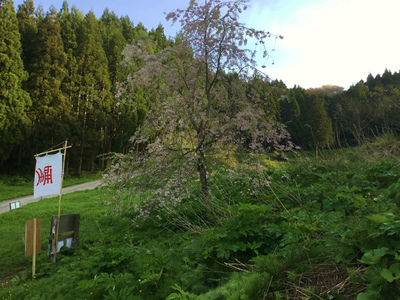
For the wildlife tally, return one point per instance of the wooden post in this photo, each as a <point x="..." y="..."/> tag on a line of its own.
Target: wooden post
<point x="34" y="249"/>
<point x="54" y="240"/>
<point x="33" y="241"/>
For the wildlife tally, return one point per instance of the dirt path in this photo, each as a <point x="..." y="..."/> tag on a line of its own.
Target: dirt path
<point x="5" y="205"/>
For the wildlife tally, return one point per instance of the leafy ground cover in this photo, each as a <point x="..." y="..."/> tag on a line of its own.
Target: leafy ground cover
<point x="14" y="186"/>
<point x="303" y="229"/>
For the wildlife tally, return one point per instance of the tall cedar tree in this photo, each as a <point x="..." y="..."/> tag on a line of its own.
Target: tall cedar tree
<point x="14" y="101"/>
<point x="94" y="97"/>
<point x="189" y="89"/>
<point x="127" y="28"/>
<point x="358" y="111"/>
<point x="113" y="44"/>
<point x="290" y="115"/>
<point x="28" y="31"/>
<point x="319" y="124"/>
<point x="70" y="22"/>
<point x="268" y="94"/>
<point x="50" y="109"/>
<point x="160" y="40"/>
<point x="298" y="131"/>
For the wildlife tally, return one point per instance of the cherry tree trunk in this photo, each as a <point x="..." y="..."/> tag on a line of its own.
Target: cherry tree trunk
<point x="203" y="174"/>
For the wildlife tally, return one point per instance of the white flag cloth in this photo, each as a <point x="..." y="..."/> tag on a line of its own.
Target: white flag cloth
<point x="48" y="174"/>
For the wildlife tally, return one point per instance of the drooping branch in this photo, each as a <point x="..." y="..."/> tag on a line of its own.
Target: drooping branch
<point x="196" y="89"/>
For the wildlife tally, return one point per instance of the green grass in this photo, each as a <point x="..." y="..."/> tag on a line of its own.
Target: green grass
<point x="18" y="186"/>
<point x="12" y="226"/>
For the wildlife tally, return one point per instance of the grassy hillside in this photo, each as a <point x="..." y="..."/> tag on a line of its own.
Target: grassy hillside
<point x="304" y="229"/>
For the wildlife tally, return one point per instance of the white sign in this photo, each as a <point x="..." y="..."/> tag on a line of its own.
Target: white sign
<point x="14" y="205"/>
<point x="48" y="175"/>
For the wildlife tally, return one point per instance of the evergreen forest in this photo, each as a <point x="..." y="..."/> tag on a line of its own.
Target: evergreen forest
<point x="61" y="73"/>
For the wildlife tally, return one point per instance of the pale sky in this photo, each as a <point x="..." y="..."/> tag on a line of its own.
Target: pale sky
<point x="336" y="42"/>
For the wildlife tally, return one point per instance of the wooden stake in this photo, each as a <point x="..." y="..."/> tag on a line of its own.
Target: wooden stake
<point x="33" y="241"/>
<point x="34" y="250"/>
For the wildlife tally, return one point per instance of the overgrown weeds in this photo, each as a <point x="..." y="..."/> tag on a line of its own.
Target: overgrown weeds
<point x="311" y="229"/>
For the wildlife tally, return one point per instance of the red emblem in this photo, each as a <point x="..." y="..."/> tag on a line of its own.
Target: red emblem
<point x="44" y="176"/>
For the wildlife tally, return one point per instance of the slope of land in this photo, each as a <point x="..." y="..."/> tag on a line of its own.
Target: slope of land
<point x="5" y="205"/>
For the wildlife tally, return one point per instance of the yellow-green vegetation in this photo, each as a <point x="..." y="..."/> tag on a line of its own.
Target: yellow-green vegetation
<point x="326" y="228"/>
<point x="263" y="161"/>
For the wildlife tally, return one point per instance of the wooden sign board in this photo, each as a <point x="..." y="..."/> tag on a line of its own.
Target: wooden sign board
<point x="32" y="231"/>
<point x="68" y="231"/>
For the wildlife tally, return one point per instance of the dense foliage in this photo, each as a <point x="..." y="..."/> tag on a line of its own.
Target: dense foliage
<point x="304" y="229"/>
<point x="14" y="101"/>
<point x="67" y="67"/>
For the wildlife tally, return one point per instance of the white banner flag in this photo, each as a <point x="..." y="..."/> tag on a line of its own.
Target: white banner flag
<point x="48" y="174"/>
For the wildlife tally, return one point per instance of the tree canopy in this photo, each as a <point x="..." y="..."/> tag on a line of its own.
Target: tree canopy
<point x="87" y="88"/>
<point x="14" y="101"/>
<point x="198" y="89"/>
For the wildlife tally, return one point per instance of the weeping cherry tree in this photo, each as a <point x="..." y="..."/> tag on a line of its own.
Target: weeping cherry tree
<point x="197" y="95"/>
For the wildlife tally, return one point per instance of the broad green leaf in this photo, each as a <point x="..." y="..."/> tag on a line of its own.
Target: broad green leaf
<point x="381" y="218"/>
<point x="153" y="277"/>
<point x="372" y="257"/>
<point x="354" y="189"/>
<point x="238" y="246"/>
<point x="359" y="200"/>
<point x="393" y="273"/>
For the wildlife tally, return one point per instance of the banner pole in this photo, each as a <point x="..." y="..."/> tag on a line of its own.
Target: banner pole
<point x="50" y="151"/>
<point x="59" y="199"/>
